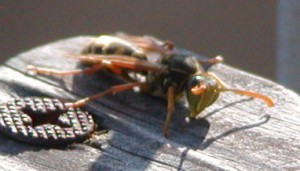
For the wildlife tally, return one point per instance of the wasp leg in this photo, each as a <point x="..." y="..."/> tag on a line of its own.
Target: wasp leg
<point x="210" y="62"/>
<point x="111" y="90"/>
<point x="170" y="110"/>
<point x="114" y="62"/>
<point x="53" y="72"/>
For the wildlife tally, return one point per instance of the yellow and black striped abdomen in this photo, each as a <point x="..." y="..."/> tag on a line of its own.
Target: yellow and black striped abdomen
<point x="110" y="45"/>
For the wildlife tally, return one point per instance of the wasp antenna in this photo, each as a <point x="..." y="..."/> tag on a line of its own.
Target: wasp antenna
<point x="266" y="99"/>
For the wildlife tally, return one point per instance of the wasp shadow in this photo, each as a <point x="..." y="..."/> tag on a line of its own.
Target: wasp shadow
<point x="264" y="119"/>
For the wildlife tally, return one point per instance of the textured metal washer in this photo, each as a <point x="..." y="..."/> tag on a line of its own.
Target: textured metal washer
<point x="44" y="121"/>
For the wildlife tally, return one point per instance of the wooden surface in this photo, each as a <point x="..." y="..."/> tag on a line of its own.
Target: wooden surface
<point x="236" y="133"/>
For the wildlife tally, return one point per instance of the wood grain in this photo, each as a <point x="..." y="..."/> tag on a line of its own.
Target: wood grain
<point x="236" y="133"/>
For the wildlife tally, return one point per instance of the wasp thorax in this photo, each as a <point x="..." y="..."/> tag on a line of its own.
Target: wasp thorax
<point x="201" y="91"/>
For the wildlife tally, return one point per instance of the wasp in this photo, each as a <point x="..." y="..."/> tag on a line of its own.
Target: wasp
<point x="165" y="72"/>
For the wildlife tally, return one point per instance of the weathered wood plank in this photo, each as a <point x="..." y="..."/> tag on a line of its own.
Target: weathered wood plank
<point x="37" y="158"/>
<point x="235" y="133"/>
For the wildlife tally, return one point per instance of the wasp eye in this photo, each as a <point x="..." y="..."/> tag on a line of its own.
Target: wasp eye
<point x="194" y="81"/>
<point x="198" y="89"/>
<point x="197" y="85"/>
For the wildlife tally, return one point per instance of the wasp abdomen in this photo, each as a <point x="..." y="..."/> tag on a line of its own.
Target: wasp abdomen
<point x="111" y="45"/>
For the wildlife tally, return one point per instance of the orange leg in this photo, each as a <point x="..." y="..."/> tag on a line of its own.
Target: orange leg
<point x="53" y="72"/>
<point x="111" y="90"/>
<point x="170" y="110"/>
<point x="114" y="62"/>
<point x="212" y="61"/>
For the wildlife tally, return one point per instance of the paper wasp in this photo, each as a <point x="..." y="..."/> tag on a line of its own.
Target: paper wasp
<point x="166" y="72"/>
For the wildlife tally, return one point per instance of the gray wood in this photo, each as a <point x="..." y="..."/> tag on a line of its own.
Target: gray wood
<point x="236" y="133"/>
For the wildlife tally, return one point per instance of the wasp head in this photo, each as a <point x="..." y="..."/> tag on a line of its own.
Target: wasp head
<point x="201" y="91"/>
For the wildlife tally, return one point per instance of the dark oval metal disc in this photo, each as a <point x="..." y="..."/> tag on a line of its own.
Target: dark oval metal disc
<point x="44" y="121"/>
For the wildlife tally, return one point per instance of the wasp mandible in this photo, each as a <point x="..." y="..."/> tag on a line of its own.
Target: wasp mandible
<point x="166" y="72"/>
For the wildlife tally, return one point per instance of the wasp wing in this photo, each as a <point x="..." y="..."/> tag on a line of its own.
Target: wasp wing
<point x="149" y="44"/>
<point x="122" y="62"/>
